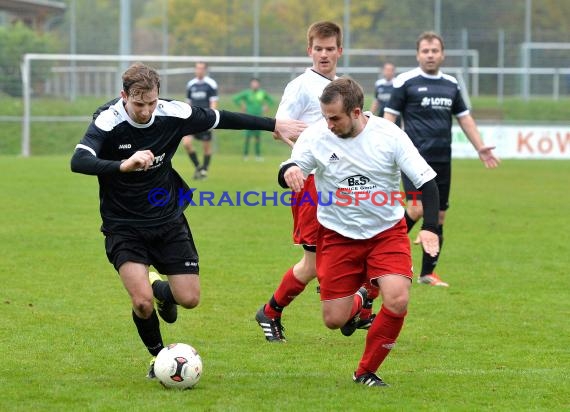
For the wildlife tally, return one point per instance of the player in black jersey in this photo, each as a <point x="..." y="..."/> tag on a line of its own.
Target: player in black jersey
<point x="129" y="147"/>
<point x="201" y="91"/>
<point x="426" y="99"/>
<point x="383" y="89"/>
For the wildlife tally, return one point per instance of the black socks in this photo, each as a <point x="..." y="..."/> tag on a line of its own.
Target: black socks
<point x="149" y="331"/>
<point x="161" y="290"/>
<point x="194" y="159"/>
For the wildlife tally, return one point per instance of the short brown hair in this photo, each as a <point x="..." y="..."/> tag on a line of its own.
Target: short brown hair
<point x="429" y="36"/>
<point x="324" y="29"/>
<point x="140" y="78"/>
<point x="346" y="89"/>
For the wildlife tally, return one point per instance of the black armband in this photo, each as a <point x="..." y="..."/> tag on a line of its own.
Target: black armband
<point x="242" y="121"/>
<point x="281" y="175"/>
<point x="430" y="203"/>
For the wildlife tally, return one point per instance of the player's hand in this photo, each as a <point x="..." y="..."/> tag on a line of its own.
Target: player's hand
<point x="288" y="129"/>
<point x="294" y="178"/>
<point x="430" y="242"/>
<point x="488" y="158"/>
<point x="289" y="142"/>
<point x="142" y="159"/>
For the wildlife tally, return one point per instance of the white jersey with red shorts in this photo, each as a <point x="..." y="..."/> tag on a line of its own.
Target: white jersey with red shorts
<point x="361" y="207"/>
<point x="300" y="101"/>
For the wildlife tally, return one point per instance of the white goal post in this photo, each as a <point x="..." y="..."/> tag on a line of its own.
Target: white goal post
<point x="106" y="70"/>
<point x="75" y="58"/>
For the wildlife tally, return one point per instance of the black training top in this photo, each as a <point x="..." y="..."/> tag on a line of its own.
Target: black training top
<point x="134" y="198"/>
<point x="382" y="91"/>
<point x="200" y="92"/>
<point x="426" y="104"/>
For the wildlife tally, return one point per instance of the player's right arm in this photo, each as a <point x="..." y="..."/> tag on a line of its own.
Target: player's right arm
<point x="239" y="100"/>
<point x="293" y="171"/>
<point x="293" y="102"/>
<point x="390" y="116"/>
<point x="374" y="106"/>
<point x="397" y="101"/>
<point x="291" y="106"/>
<point x="86" y="159"/>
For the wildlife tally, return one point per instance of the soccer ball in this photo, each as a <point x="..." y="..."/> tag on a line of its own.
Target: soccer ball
<point x="178" y="366"/>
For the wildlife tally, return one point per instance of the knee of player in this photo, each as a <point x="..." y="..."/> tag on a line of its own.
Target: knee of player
<point x="188" y="301"/>
<point x="333" y="321"/>
<point x="397" y="304"/>
<point x="143" y="306"/>
<point x="308" y="270"/>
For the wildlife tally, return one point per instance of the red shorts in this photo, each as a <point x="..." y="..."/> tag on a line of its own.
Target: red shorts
<point x="344" y="264"/>
<point x="304" y="209"/>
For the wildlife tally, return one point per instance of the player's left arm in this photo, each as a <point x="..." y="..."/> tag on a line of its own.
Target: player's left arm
<point x="293" y="171"/>
<point x="267" y="101"/>
<point x="422" y="175"/>
<point x="213" y="95"/>
<point x="429" y="238"/>
<point x="467" y="124"/>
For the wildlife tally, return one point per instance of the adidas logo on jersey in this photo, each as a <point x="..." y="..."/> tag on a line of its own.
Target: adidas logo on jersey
<point x="334" y="158"/>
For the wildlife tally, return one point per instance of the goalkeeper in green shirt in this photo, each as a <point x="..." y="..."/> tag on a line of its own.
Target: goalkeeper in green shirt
<point x="255" y="101"/>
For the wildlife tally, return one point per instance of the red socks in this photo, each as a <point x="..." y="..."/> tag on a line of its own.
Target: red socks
<point x="357" y="305"/>
<point x="380" y="339"/>
<point x="373" y="293"/>
<point x="287" y="290"/>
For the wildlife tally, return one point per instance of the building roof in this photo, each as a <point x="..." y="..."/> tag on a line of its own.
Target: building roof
<point x="34" y="13"/>
<point x="32" y="7"/>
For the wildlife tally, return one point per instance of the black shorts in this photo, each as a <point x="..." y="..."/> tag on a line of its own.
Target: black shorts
<point x="169" y="248"/>
<point x="443" y="181"/>
<point x="204" y="136"/>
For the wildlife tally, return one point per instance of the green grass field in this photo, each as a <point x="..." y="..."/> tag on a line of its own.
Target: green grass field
<point x="497" y="339"/>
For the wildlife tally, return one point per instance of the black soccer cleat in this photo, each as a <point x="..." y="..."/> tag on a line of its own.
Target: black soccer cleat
<point x="369" y="379"/>
<point x="365" y="323"/>
<point x="167" y="311"/>
<point x="272" y="328"/>
<point x="350" y="326"/>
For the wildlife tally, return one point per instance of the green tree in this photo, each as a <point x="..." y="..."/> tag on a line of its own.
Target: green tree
<point x="221" y="27"/>
<point x="211" y="28"/>
<point x="14" y="42"/>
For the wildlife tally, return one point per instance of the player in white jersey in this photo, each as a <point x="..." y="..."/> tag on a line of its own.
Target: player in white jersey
<point x="301" y="97"/>
<point x="301" y="101"/>
<point x="357" y="158"/>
